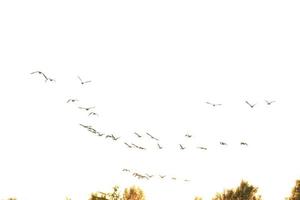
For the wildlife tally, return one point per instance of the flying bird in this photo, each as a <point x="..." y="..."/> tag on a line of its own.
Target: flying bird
<point x="126" y="170"/>
<point x="223" y="143"/>
<point x="152" y="137"/>
<point x="187" y="180"/>
<point x="85" y="126"/>
<point x="114" y="137"/>
<point x="173" y="178"/>
<point x="138" y="135"/>
<point x="181" y="147"/>
<point x="129" y="146"/>
<point x="72" y="100"/>
<point x="251" y="105"/>
<point x="149" y="176"/>
<point x="162" y="176"/>
<point x="51" y="79"/>
<point x="86" y="108"/>
<point x="244" y="143"/>
<point x="100" y="134"/>
<point x="41" y="73"/>
<point x="136" y="146"/>
<point x="93" y="114"/>
<point x="213" y="104"/>
<point x="269" y="102"/>
<point x="83" y="82"/>
<point x="203" y="148"/>
<point x="188" y="136"/>
<point x="160" y="147"/>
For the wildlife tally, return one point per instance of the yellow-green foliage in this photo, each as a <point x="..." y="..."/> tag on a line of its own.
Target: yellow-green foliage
<point x="133" y="193"/>
<point x="295" y="192"/>
<point x="244" y="192"/>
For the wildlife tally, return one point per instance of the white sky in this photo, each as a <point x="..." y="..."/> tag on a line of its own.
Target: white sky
<point x="153" y="64"/>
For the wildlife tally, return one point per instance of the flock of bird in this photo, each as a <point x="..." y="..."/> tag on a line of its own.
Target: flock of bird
<point x="148" y="176"/>
<point x="131" y="145"/>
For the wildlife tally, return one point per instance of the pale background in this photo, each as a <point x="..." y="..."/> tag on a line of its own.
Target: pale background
<point x="153" y="64"/>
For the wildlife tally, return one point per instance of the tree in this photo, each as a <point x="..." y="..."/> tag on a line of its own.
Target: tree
<point x="133" y="193"/>
<point x="198" y="198"/>
<point x="295" y="192"/>
<point x="244" y="191"/>
<point x="115" y="195"/>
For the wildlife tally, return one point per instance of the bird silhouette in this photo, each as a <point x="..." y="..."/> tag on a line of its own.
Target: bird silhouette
<point x="213" y="104"/>
<point x="160" y="147"/>
<point x="173" y="178"/>
<point x="136" y="146"/>
<point x="100" y="134"/>
<point x="223" y="143"/>
<point x="114" y="137"/>
<point x="188" y="136"/>
<point x="251" y="105"/>
<point x="162" y="176"/>
<point x="203" y="148"/>
<point x="93" y="114"/>
<point x="85" y="126"/>
<point x="152" y="137"/>
<point x="72" y="100"/>
<point x="187" y="180"/>
<point x="41" y="73"/>
<point x="149" y="176"/>
<point x="129" y="146"/>
<point x="138" y="135"/>
<point x="181" y="147"/>
<point x="86" y="108"/>
<point x="51" y="79"/>
<point x="125" y="170"/>
<point x="269" y="102"/>
<point x="244" y="143"/>
<point x="83" y="82"/>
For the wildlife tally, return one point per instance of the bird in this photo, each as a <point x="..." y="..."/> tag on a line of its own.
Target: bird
<point x="85" y="126"/>
<point x="136" y="146"/>
<point x="213" y="104"/>
<point x="138" y="135"/>
<point x="173" y="178"/>
<point x="100" y="134"/>
<point x="269" y="102"/>
<point x="244" y="143"/>
<point x="188" y="136"/>
<point x="83" y="82"/>
<point x="152" y="137"/>
<point x="93" y="114"/>
<point x="72" y="100"/>
<point x="162" y="176"/>
<point x="223" y="143"/>
<point x="186" y="180"/>
<point x="92" y="130"/>
<point x="129" y="146"/>
<point x="149" y="176"/>
<point x="114" y="137"/>
<point x="142" y="148"/>
<point x="160" y="147"/>
<point x="125" y="170"/>
<point x="203" y="148"/>
<point x="108" y="136"/>
<point x="181" y="147"/>
<point x="51" y="79"/>
<point x="251" y="105"/>
<point x="41" y="73"/>
<point x="86" y="108"/>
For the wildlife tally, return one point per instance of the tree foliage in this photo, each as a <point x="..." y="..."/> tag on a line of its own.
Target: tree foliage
<point x="244" y="191"/>
<point x="295" y="192"/>
<point x="133" y="193"/>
